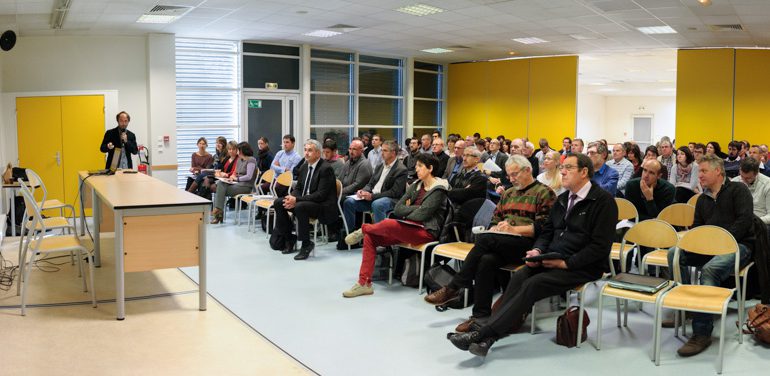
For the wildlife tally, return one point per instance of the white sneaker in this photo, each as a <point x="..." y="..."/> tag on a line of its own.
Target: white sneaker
<point x="354" y="237"/>
<point x="358" y="290"/>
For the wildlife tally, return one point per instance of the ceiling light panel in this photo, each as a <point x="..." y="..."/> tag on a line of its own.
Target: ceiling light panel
<point x="657" y="30"/>
<point x="419" y="10"/>
<point x="156" y="19"/>
<point x="322" y="33"/>
<point x="436" y="50"/>
<point x="530" y="40"/>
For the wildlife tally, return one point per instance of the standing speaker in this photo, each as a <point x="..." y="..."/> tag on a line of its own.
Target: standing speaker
<point x="8" y="40"/>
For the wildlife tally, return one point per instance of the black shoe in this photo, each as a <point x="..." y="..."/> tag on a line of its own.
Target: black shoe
<point x="481" y="348"/>
<point x="333" y="237"/>
<point x="463" y="340"/>
<point x="304" y="252"/>
<point x="341" y="246"/>
<point x="290" y="245"/>
<point x="302" y="255"/>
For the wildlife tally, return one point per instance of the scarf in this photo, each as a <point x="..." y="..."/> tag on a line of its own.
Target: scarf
<point x="683" y="173"/>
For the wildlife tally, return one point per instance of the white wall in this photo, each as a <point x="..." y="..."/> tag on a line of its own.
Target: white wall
<point x="161" y="102"/>
<point x="611" y="117"/>
<point x="117" y="66"/>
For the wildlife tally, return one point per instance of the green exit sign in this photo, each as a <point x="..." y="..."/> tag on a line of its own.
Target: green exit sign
<point x="255" y="103"/>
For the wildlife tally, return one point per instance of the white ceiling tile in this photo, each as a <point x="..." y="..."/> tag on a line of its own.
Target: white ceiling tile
<point x="606" y="28"/>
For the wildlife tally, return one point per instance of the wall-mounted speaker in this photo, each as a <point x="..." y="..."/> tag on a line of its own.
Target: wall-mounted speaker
<point x="8" y="40"/>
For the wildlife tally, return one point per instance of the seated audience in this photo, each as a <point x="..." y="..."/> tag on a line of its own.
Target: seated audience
<point x="314" y="196"/>
<point x="422" y="205"/>
<point x="200" y="160"/>
<point x="242" y="181"/>
<point x="528" y="152"/>
<point x="566" y="146"/>
<point x="425" y="141"/>
<point x="651" y="193"/>
<point x="455" y="162"/>
<point x="698" y="151"/>
<point x="580" y="227"/>
<point x="713" y="148"/>
<point x="733" y="159"/>
<point x="354" y="175"/>
<point x="604" y="176"/>
<point x="411" y="160"/>
<point x="285" y="160"/>
<point x="379" y="196"/>
<point x="522" y="210"/>
<point x="226" y="170"/>
<point x="725" y="204"/>
<point x="759" y="187"/>
<point x="374" y="156"/>
<point x="468" y="183"/>
<point x="684" y="175"/>
<point x="666" y="157"/>
<point x="622" y="166"/>
<point x="438" y="152"/>
<point x="551" y="176"/>
<point x="331" y="157"/>
<point x="264" y="157"/>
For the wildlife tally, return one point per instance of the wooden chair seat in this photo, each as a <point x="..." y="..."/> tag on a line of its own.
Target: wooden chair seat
<point x="633" y="295"/>
<point x="699" y="298"/>
<point x="50" y="204"/>
<point x="50" y="223"/>
<point x="51" y="244"/>
<point x="416" y="247"/>
<point x="265" y="204"/>
<point x="658" y="257"/>
<point x="513" y="268"/>
<point x="457" y="250"/>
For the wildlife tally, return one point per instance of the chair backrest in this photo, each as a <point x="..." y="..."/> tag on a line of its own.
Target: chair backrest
<point x="678" y="215"/>
<point x="707" y="240"/>
<point x="284" y="179"/>
<point x="268" y="176"/>
<point x="652" y="233"/>
<point x="34" y="181"/>
<point x="693" y="200"/>
<point x="33" y="211"/>
<point x="626" y="210"/>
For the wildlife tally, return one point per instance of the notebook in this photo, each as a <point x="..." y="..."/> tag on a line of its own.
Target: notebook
<point x="545" y="256"/>
<point x="639" y="283"/>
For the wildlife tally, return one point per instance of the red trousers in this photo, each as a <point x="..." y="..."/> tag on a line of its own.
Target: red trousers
<point x="387" y="232"/>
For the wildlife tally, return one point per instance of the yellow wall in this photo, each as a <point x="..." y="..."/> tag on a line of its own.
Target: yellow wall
<point x="704" y="96"/>
<point x="552" y="99"/>
<point x="752" y="96"/>
<point x="524" y="97"/>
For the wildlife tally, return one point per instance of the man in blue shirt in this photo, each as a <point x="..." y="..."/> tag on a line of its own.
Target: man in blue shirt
<point x="285" y="160"/>
<point x="604" y="175"/>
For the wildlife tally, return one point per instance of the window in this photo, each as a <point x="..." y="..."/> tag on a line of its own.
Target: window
<point x="428" y="97"/>
<point x="263" y="63"/>
<point x="207" y="96"/>
<point x="353" y="93"/>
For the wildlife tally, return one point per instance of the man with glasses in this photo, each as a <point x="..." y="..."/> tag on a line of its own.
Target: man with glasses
<point x="756" y="152"/>
<point x="438" y="152"/>
<point x="667" y="157"/>
<point x="384" y="189"/>
<point x="698" y="150"/>
<point x="455" y="163"/>
<point x="520" y="214"/>
<point x="468" y="183"/>
<point x="579" y="228"/>
<point x="604" y="176"/>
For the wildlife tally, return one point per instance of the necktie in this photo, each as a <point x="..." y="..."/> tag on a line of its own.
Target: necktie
<point x="307" y="181"/>
<point x="571" y="203"/>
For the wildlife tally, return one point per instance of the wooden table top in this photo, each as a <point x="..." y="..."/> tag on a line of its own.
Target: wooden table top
<point x="134" y="191"/>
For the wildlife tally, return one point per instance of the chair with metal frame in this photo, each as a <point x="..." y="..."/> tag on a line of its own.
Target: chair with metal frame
<point x="626" y="211"/>
<point x="680" y="215"/>
<point x="42" y="244"/>
<point x="651" y="233"/>
<point x="284" y="179"/>
<point x="252" y="198"/>
<point x="705" y="240"/>
<point x="324" y="228"/>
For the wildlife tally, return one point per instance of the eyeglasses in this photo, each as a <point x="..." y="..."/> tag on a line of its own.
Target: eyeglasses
<point x="514" y="174"/>
<point x="437" y="145"/>
<point x="591" y="153"/>
<point x="567" y="167"/>
<point x="459" y="147"/>
<point x="469" y="156"/>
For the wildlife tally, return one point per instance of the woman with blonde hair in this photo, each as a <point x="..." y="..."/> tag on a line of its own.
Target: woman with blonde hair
<point x="550" y="175"/>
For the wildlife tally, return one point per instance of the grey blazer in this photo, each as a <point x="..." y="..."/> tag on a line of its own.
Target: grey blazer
<point x="355" y="175"/>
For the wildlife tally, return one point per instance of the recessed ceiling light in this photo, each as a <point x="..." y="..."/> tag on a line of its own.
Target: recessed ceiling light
<point x="436" y="50"/>
<point x="656" y="30"/>
<point x="511" y="53"/>
<point x="156" y="19"/>
<point x="322" y="33"/>
<point x="705" y="3"/>
<point x="419" y="10"/>
<point x="530" y="40"/>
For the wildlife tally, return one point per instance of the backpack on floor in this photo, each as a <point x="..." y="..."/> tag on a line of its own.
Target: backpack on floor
<point x="411" y="275"/>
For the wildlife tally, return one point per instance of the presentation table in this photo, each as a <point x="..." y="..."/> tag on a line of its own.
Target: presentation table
<point x="157" y="226"/>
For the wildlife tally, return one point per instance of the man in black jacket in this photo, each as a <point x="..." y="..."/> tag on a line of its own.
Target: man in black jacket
<point x="580" y="228"/>
<point x="122" y="138"/>
<point x="438" y="152"/>
<point x="313" y="197"/>
<point x="469" y="182"/>
<point x="386" y="186"/>
<point x="729" y="205"/>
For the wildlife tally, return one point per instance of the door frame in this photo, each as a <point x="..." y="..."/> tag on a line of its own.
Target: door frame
<point x="8" y="124"/>
<point x="298" y="130"/>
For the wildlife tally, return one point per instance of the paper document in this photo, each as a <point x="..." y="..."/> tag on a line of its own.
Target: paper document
<point x="224" y="180"/>
<point x="356" y="197"/>
<point x="490" y="165"/>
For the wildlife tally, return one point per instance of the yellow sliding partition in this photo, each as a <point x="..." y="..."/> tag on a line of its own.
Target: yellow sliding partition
<point x="467" y="94"/>
<point x="553" y="99"/>
<point x="508" y="97"/>
<point x="704" y="96"/>
<point x="752" y="96"/>
<point x="522" y="97"/>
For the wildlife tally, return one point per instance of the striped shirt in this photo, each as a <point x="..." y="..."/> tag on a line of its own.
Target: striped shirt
<point x="530" y="205"/>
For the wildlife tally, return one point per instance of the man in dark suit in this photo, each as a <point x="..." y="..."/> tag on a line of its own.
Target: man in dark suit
<point x="438" y="152"/>
<point x="469" y="183"/>
<point x="455" y="163"/>
<point x="313" y="197"/>
<point x="122" y="138"/>
<point x="385" y="188"/>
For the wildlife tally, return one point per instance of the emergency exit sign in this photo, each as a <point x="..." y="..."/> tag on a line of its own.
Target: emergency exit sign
<point x="255" y="103"/>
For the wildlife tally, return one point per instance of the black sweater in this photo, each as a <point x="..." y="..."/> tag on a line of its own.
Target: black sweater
<point x="585" y="237"/>
<point x="732" y="210"/>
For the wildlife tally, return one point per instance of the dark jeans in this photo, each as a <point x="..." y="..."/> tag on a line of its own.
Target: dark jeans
<point x="303" y="211"/>
<point x="527" y="286"/>
<point x="490" y="252"/>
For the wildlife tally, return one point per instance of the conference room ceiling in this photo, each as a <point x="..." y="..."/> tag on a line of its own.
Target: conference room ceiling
<point x="472" y="29"/>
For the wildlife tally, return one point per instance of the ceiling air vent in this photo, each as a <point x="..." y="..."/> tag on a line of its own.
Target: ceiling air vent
<point x="459" y="47"/>
<point x="169" y="10"/>
<point x="731" y="27"/>
<point x="343" y="28"/>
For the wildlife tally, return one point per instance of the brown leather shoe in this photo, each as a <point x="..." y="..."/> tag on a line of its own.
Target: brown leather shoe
<point x="471" y="324"/>
<point x="217" y="216"/>
<point x="695" y="345"/>
<point x="442" y="296"/>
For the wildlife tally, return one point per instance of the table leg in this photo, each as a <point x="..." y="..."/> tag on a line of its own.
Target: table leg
<point x="13" y="211"/>
<point x="120" y="297"/>
<point x="82" y="188"/>
<point x="202" y="261"/>
<point x="97" y="218"/>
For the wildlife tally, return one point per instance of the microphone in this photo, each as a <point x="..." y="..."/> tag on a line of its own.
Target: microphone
<point x="122" y="143"/>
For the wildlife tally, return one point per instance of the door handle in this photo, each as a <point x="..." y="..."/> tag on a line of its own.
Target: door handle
<point x="58" y="159"/>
